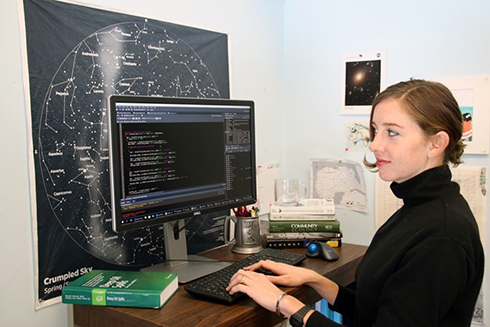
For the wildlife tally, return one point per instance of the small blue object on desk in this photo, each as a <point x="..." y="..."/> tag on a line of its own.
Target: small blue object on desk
<point x="321" y="250"/>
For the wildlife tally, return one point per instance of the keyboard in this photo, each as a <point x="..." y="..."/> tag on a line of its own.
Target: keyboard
<point x="213" y="285"/>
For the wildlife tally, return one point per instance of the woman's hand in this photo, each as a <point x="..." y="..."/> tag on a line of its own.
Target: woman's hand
<point x="260" y="289"/>
<point x="257" y="286"/>
<point x="292" y="276"/>
<point x="287" y="275"/>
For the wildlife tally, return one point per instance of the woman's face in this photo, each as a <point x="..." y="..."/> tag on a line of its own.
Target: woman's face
<point x="400" y="146"/>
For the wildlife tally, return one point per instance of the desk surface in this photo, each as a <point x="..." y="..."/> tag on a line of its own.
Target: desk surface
<point x="183" y="309"/>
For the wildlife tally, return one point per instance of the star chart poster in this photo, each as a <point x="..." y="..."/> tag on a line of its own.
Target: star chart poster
<point x="76" y="57"/>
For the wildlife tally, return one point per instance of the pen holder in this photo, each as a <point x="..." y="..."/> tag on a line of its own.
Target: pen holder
<point x="247" y="234"/>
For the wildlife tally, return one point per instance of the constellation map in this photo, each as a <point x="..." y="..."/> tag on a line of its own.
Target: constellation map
<point x="73" y="133"/>
<point x="131" y="56"/>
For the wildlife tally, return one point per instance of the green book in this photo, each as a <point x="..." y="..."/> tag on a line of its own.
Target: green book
<point x="121" y="289"/>
<point x="330" y="226"/>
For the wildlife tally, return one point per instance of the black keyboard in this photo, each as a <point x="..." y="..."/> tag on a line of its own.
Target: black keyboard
<point x="213" y="285"/>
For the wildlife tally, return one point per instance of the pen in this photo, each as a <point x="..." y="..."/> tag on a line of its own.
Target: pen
<point x="240" y="212"/>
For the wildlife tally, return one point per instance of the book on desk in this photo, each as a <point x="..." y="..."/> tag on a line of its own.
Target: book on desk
<point x="121" y="289"/>
<point x="297" y="226"/>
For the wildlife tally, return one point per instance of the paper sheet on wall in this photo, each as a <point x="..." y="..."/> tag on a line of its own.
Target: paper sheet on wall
<point x="340" y="180"/>
<point x="266" y="174"/>
<point x="473" y="187"/>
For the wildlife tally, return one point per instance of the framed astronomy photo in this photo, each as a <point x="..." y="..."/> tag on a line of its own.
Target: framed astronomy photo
<point x="363" y="77"/>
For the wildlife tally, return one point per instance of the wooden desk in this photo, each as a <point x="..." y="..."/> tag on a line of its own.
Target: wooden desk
<point x="183" y="309"/>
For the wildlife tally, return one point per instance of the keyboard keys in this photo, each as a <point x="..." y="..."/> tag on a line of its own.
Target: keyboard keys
<point x="213" y="286"/>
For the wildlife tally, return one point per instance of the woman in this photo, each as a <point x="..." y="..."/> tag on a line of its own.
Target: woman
<point x="424" y="266"/>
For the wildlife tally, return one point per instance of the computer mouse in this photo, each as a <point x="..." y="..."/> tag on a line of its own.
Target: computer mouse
<point x="321" y="250"/>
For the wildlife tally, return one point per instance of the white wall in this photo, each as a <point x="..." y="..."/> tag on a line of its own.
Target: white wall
<point x="422" y="39"/>
<point x="256" y="48"/>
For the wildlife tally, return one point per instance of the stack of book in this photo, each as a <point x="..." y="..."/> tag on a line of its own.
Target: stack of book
<point x="297" y="226"/>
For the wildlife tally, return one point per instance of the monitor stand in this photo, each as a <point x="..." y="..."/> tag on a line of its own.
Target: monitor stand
<point x="189" y="267"/>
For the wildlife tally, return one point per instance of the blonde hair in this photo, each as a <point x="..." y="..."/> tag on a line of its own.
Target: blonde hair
<point x="433" y="107"/>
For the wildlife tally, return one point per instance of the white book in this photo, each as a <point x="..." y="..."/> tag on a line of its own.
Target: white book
<point x="306" y="207"/>
<point x="299" y="217"/>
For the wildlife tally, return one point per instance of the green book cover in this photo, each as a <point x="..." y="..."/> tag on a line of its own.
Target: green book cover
<point x="122" y="289"/>
<point x="331" y="226"/>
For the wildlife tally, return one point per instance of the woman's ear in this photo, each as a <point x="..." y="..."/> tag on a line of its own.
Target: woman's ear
<point x="438" y="145"/>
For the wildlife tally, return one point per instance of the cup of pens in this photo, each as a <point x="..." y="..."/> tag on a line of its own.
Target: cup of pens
<point x="247" y="231"/>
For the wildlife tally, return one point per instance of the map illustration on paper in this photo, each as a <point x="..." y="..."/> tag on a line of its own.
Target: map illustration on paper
<point x="340" y="180"/>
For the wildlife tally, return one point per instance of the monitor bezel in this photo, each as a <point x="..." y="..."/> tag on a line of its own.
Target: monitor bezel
<point x="115" y="167"/>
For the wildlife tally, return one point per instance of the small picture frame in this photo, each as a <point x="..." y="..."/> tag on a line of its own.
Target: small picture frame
<point x="363" y="77"/>
<point x="473" y="96"/>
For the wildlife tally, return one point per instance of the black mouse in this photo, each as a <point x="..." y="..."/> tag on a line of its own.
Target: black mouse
<point x="321" y="250"/>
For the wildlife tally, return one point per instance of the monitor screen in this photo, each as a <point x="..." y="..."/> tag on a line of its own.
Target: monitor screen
<point x="175" y="158"/>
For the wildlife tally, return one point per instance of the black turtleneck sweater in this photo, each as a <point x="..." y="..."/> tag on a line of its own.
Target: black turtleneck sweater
<point x="424" y="266"/>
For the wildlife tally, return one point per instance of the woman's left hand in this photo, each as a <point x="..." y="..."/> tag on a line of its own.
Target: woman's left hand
<point x="257" y="286"/>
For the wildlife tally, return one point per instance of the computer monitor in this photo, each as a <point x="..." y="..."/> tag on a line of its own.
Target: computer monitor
<point x="177" y="158"/>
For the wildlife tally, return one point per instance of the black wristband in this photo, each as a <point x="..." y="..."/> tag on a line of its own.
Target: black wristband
<point x="296" y="319"/>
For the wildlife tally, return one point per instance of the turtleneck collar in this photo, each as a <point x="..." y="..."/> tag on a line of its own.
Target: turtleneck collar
<point x="425" y="186"/>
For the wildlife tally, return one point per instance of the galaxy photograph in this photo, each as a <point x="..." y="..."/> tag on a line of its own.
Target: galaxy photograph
<point x="362" y="82"/>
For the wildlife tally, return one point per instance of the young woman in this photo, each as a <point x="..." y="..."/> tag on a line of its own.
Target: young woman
<point x="424" y="266"/>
